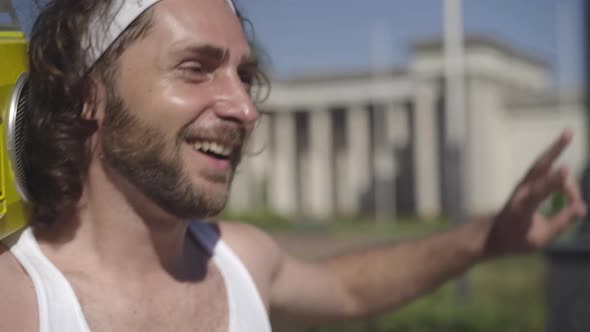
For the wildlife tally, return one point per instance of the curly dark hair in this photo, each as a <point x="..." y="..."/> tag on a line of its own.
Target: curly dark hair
<point x="59" y="86"/>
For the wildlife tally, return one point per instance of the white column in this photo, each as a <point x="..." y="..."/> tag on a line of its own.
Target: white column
<point x="248" y="189"/>
<point x="359" y="154"/>
<point x="321" y="195"/>
<point x="426" y="152"/>
<point x="241" y="196"/>
<point x="484" y="192"/>
<point x="260" y="158"/>
<point x="385" y="165"/>
<point x="283" y="169"/>
<point x="398" y="132"/>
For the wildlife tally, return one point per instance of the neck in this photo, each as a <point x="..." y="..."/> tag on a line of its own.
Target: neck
<point x="121" y="230"/>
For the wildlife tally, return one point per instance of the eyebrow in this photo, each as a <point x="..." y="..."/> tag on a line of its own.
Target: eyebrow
<point x="209" y="51"/>
<point x="219" y="54"/>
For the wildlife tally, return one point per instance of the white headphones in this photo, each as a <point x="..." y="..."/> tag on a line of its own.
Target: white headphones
<point x="103" y="30"/>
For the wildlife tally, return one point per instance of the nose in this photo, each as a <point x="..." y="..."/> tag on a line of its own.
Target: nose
<point x="234" y="101"/>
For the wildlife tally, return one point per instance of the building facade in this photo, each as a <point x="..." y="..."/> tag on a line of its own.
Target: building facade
<point x="372" y="143"/>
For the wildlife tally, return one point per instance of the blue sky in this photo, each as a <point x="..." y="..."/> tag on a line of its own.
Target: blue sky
<point x="303" y="36"/>
<point x="325" y="35"/>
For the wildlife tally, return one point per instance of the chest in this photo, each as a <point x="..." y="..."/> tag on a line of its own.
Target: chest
<point x="164" y="306"/>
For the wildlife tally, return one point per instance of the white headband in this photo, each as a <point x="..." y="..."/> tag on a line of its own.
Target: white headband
<point x="104" y="30"/>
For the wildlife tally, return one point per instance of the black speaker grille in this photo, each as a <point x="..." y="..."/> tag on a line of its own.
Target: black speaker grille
<point x="17" y="135"/>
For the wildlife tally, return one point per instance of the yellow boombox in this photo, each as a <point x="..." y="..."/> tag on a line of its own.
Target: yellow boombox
<point x="14" y="209"/>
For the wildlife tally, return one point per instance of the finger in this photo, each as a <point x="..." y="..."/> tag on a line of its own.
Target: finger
<point x="572" y="191"/>
<point x="546" y="160"/>
<point x="564" y="218"/>
<point x="542" y="188"/>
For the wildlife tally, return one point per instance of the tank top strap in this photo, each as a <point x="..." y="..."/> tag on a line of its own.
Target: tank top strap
<point x="205" y="234"/>
<point x="246" y="308"/>
<point x="59" y="309"/>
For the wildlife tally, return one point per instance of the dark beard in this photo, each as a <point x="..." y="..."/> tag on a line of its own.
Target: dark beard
<point x="139" y="153"/>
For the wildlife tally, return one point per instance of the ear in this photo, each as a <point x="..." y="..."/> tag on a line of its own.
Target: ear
<point x="88" y="110"/>
<point x="93" y="108"/>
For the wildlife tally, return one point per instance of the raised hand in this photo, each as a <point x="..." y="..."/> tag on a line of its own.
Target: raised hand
<point x="519" y="227"/>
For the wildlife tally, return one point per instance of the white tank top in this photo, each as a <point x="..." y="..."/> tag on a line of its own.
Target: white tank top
<point x="60" y="311"/>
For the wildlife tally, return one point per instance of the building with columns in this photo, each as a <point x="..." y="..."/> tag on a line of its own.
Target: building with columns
<point x="371" y="143"/>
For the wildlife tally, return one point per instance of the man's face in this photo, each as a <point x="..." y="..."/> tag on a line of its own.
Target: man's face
<point x="180" y="111"/>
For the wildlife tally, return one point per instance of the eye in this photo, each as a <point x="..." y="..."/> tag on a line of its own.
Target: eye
<point x="248" y="73"/>
<point x="193" y="70"/>
<point x="247" y="77"/>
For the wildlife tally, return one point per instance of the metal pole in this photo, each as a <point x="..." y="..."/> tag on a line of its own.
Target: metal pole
<point x="585" y="227"/>
<point x="455" y="119"/>
<point x="454" y="74"/>
<point x="7" y="6"/>
<point x="564" y="43"/>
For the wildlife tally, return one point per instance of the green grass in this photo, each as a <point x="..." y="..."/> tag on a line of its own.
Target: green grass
<point x="399" y="228"/>
<point x="263" y="218"/>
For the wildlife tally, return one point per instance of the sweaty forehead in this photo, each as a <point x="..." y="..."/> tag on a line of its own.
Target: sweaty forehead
<point x="199" y="21"/>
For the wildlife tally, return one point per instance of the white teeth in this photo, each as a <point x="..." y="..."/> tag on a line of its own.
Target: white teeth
<point x="216" y="148"/>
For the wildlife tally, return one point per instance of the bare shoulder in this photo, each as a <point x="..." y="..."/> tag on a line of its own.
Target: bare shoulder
<point x="251" y="244"/>
<point x="246" y="237"/>
<point x="18" y="308"/>
<point x="256" y="249"/>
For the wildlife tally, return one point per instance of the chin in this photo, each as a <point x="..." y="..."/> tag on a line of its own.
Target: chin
<point x="211" y="197"/>
<point x="198" y="194"/>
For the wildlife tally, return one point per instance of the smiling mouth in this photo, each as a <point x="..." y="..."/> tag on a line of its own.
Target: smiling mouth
<point x="214" y="149"/>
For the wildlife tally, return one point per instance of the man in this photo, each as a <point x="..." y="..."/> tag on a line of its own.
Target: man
<point x="139" y="113"/>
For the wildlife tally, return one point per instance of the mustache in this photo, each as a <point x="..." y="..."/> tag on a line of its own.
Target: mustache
<point x="227" y="134"/>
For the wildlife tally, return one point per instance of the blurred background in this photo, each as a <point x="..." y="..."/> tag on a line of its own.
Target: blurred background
<point x="388" y="120"/>
<point x="358" y="121"/>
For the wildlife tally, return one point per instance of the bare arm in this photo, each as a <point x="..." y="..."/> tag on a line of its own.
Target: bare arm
<point x="371" y="281"/>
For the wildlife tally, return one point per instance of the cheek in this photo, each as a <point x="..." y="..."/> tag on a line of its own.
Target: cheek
<point x="183" y="101"/>
<point x="167" y="100"/>
<point x="168" y="109"/>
